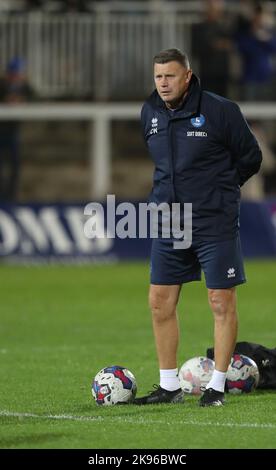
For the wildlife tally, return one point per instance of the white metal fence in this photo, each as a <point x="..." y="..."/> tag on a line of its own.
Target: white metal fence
<point x="100" y="56"/>
<point x="103" y="55"/>
<point x="106" y="54"/>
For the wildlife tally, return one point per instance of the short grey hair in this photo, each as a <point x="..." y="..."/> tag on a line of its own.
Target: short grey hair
<point x="170" y="55"/>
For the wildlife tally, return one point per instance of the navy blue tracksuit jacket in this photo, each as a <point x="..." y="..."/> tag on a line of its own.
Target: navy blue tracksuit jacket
<point x="203" y="152"/>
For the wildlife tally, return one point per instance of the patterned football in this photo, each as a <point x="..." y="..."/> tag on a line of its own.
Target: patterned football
<point x="114" y="385"/>
<point x="242" y="375"/>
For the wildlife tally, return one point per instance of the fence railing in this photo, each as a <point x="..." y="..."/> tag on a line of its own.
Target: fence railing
<point x="100" y="56"/>
<point x="104" y="55"/>
<point x="100" y="117"/>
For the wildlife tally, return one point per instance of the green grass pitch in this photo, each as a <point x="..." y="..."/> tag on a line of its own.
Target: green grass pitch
<point x="61" y="325"/>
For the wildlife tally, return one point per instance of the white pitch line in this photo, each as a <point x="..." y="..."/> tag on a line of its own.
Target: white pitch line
<point x="57" y="417"/>
<point x="137" y="420"/>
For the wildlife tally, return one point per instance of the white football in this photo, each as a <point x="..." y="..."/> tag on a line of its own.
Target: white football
<point x="195" y="373"/>
<point x="114" y="385"/>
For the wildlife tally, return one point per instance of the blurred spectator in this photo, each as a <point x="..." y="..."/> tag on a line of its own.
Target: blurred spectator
<point x="211" y="46"/>
<point x="256" y="43"/>
<point x="72" y="6"/>
<point x="58" y="6"/>
<point x="255" y="187"/>
<point x="14" y="89"/>
<point x="34" y="4"/>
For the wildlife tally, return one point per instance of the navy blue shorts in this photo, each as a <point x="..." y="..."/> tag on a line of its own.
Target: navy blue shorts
<point x="221" y="262"/>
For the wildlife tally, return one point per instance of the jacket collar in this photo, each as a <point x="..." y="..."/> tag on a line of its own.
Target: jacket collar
<point x="190" y="105"/>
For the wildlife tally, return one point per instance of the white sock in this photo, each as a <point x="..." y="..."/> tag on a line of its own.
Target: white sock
<point x="217" y="381"/>
<point x="169" y="379"/>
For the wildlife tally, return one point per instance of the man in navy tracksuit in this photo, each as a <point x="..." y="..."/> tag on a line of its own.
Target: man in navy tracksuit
<point x="203" y="152"/>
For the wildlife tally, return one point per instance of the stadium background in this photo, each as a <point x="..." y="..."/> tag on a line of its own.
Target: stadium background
<point x="71" y="305"/>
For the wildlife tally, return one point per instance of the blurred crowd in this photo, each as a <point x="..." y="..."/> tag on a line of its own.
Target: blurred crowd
<point x="236" y="57"/>
<point x="250" y="37"/>
<point x="54" y="6"/>
<point x="83" y="6"/>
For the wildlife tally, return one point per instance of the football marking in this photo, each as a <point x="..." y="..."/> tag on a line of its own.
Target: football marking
<point x="136" y="420"/>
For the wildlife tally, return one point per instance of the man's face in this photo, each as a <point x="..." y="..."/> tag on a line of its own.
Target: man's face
<point x="171" y="81"/>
